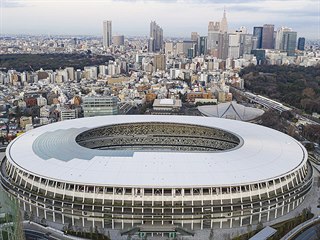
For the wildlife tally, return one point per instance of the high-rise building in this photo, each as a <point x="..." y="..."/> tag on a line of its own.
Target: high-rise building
<point x="202" y="45"/>
<point x="234" y="45"/>
<point x="246" y="44"/>
<point x="194" y="36"/>
<point x="151" y="45"/>
<point x="118" y="40"/>
<point x="214" y="37"/>
<point x="257" y="32"/>
<point x="179" y="48"/>
<point x="156" y="33"/>
<point x="107" y="34"/>
<point x="188" y="45"/>
<point x="301" y="43"/>
<point x="279" y="37"/>
<point x="289" y="42"/>
<point x="169" y="48"/>
<point x="70" y="72"/>
<point x="267" y="36"/>
<point x="159" y="62"/>
<point x="224" y="23"/>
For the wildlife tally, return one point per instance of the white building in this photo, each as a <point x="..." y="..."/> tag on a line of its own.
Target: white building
<point x="67" y="114"/>
<point x="41" y="101"/>
<point x="99" y="106"/>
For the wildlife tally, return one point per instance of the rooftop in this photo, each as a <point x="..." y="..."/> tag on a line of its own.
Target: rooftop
<point x="264" y="154"/>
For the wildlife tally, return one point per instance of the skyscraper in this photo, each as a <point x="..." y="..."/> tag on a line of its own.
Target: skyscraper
<point x="202" y="46"/>
<point x="194" y="36"/>
<point x="301" y="43"/>
<point x="213" y="40"/>
<point x="279" y="37"/>
<point x="246" y="44"/>
<point x="289" y="42"/>
<point x="156" y="33"/>
<point x="224" y="23"/>
<point x="257" y="32"/>
<point x="107" y="34"/>
<point x="233" y="45"/>
<point x="267" y="36"/>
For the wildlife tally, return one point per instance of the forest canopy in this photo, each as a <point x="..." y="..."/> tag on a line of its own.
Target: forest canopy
<point x="27" y="62"/>
<point x="297" y="86"/>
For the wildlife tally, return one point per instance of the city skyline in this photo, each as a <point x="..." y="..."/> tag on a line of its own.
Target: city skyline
<point x="84" y="18"/>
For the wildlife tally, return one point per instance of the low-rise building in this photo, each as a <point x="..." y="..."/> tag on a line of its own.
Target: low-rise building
<point x="167" y="105"/>
<point x="99" y="106"/>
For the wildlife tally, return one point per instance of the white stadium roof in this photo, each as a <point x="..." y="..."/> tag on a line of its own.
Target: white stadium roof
<point x="51" y="151"/>
<point x="231" y="110"/>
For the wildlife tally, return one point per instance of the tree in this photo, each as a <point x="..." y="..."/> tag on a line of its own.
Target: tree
<point x="259" y="226"/>
<point x="249" y="230"/>
<point x="211" y="236"/>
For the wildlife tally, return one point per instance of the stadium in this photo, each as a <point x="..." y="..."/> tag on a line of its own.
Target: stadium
<point x="156" y="173"/>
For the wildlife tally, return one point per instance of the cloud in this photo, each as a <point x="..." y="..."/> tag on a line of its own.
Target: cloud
<point x="12" y="4"/>
<point x="178" y="18"/>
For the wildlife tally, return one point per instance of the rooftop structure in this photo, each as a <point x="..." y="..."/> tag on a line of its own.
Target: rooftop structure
<point x="126" y="172"/>
<point x="231" y="110"/>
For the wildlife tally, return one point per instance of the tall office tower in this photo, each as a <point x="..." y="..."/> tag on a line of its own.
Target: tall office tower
<point x="189" y="45"/>
<point x="151" y="45"/>
<point x="246" y="44"/>
<point x="257" y="32"/>
<point x="254" y="42"/>
<point x="156" y="33"/>
<point x="289" y="42"/>
<point x="267" y="36"/>
<point x="279" y="36"/>
<point x="118" y="40"/>
<point x="301" y="43"/>
<point x="194" y="36"/>
<point x="202" y="45"/>
<point x="223" y="45"/>
<point x="224" y="23"/>
<point x="234" y="45"/>
<point x="107" y="34"/>
<point x="213" y="41"/>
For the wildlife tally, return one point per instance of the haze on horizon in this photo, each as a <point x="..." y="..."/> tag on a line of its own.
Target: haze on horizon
<point x="178" y="18"/>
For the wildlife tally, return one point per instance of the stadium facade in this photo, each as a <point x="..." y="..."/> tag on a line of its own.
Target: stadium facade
<point x="120" y="172"/>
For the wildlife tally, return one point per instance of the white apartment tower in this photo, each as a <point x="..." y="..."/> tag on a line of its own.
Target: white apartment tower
<point x="107" y="34"/>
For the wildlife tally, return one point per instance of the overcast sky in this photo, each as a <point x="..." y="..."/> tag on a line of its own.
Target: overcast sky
<point x="178" y="18"/>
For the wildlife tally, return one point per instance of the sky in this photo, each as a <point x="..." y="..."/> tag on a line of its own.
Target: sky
<point x="178" y="18"/>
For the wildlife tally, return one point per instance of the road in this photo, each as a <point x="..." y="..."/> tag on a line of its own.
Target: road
<point x="44" y="233"/>
<point x="271" y="104"/>
<point x="35" y="235"/>
<point x="309" y="234"/>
